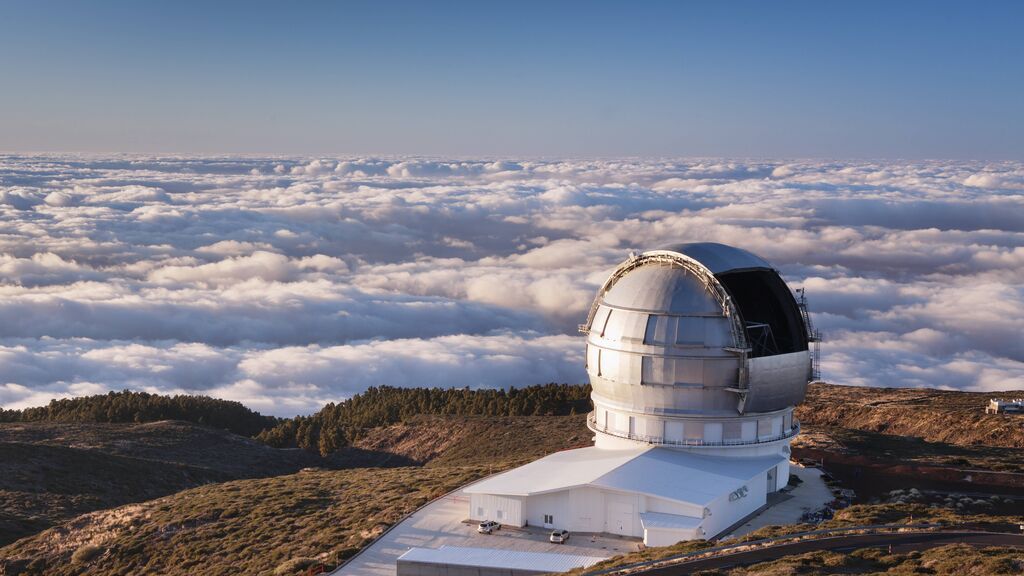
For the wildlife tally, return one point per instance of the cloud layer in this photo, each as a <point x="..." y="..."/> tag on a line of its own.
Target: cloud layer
<point x="286" y="283"/>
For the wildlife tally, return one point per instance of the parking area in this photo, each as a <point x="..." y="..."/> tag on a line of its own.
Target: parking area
<point x="441" y="523"/>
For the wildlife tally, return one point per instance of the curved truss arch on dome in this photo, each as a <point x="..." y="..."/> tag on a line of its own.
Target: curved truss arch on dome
<point x="694" y="267"/>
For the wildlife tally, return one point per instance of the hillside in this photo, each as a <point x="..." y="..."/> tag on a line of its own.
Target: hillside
<point x="959" y="559"/>
<point x="253" y="526"/>
<point x="238" y="527"/>
<point x="338" y="425"/>
<point x="206" y="520"/>
<point x="876" y="440"/>
<point x="865" y="561"/>
<point x="128" y="406"/>
<point x="472" y="439"/>
<point x="950" y="417"/>
<point x="52" y="471"/>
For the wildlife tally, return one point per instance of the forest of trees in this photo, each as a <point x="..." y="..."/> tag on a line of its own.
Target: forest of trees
<point x="331" y="428"/>
<point x="128" y="406"/>
<point x="336" y="425"/>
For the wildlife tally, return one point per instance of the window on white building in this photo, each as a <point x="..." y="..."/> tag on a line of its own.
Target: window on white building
<point x="500" y="514"/>
<point x="480" y="511"/>
<point x="549" y="519"/>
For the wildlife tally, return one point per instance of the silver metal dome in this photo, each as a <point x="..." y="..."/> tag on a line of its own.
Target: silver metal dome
<point x="695" y="331"/>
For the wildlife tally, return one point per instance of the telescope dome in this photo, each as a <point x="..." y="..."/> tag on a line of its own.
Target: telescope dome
<point x="685" y="341"/>
<point x="661" y="290"/>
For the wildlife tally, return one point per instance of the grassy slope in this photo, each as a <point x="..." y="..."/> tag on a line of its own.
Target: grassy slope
<point x="457" y="440"/>
<point x="50" y="472"/>
<point x="323" y="512"/>
<point x="860" y="515"/>
<point x="249" y="526"/>
<point x="959" y="559"/>
<point x="238" y="527"/>
<point x="947" y="417"/>
<point x="40" y="485"/>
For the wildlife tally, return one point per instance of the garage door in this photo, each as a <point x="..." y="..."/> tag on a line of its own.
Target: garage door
<point x="620" y="518"/>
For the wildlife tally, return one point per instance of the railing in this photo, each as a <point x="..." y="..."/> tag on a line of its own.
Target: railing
<point x="592" y="425"/>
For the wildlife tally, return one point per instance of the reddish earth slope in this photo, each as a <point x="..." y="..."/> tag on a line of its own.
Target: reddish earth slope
<point x="933" y="415"/>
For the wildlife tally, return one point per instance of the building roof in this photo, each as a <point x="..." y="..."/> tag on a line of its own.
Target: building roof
<point x="496" y="558"/>
<point x="653" y="471"/>
<point x="558" y="471"/>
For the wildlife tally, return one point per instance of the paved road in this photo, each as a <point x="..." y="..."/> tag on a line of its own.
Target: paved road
<point x="899" y="543"/>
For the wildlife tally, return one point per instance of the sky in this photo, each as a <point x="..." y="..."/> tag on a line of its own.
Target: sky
<point x="865" y="80"/>
<point x="286" y="283"/>
<point x="285" y="203"/>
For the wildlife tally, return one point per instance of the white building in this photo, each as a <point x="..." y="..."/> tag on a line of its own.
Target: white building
<point x="1015" y="406"/>
<point x="697" y="355"/>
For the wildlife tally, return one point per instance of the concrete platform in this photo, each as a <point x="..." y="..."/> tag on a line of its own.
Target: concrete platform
<point x="441" y="523"/>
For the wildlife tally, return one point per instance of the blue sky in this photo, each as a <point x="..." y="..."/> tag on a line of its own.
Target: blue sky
<point x="748" y="79"/>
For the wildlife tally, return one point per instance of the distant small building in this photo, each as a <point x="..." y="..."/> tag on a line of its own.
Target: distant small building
<point x="1015" y="406"/>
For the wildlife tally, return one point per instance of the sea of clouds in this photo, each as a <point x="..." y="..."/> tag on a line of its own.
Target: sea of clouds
<point x="288" y="283"/>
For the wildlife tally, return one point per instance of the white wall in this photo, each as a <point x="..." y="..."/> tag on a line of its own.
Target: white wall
<point x="725" y="513"/>
<point x="668" y="537"/>
<point x="783" y="473"/>
<point x="586" y="508"/>
<point x="504" y="509"/>
<point x="617" y="502"/>
<point x="557" y="504"/>
<point x="713" y="431"/>
<point x="748" y="430"/>
<point x="673" y="430"/>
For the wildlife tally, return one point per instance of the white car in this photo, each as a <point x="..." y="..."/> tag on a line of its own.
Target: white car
<point x="488" y="526"/>
<point x="559" y="536"/>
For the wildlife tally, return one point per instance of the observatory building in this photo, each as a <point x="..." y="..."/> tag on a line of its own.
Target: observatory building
<point x="697" y="355"/>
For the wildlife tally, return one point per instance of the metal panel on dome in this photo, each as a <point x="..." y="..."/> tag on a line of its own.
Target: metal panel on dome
<point x="720" y="258"/>
<point x="663" y="289"/>
<point x="777" y="381"/>
<point x="626" y="326"/>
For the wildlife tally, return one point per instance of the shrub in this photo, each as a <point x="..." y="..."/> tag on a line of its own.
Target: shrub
<point x="292" y="566"/>
<point x="85" y="553"/>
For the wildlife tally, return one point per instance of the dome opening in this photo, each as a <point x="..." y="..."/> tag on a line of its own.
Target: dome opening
<point x="769" y="311"/>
